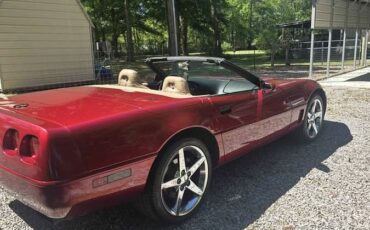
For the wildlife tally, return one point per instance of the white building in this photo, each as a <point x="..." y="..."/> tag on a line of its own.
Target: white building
<point x="44" y="42"/>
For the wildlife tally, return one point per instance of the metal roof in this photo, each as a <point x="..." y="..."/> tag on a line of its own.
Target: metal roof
<point x="341" y="14"/>
<point x="297" y="24"/>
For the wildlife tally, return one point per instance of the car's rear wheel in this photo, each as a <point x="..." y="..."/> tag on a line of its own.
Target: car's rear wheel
<point x="180" y="180"/>
<point x="313" y="120"/>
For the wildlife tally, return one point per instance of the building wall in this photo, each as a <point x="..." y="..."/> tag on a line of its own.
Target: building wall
<point x="44" y="42"/>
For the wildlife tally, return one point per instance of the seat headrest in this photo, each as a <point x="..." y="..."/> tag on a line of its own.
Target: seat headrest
<point x="174" y="84"/>
<point x="130" y="78"/>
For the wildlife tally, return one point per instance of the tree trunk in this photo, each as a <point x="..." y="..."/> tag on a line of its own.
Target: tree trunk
<point x="233" y="38"/>
<point x="129" y="43"/>
<point x="217" y="50"/>
<point x="184" y="35"/>
<point x="172" y="22"/>
<point x="287" y="60"/>
<point x="137" y="41"/>
<point x="103" y="35"/>
<point x="115" y="44"/>
<point x="250" y="40"/>
<point x="115" y="34"/>
<point x="272" y="58"/>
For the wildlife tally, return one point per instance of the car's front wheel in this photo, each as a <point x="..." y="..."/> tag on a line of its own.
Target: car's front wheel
<point x="180" y="180"/>
<point x="313" y="120"/>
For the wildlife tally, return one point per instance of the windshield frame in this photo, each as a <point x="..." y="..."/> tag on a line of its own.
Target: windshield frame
<point x="220" y="61"/>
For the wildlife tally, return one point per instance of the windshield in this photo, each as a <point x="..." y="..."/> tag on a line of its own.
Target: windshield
<point x="195" y="69"/>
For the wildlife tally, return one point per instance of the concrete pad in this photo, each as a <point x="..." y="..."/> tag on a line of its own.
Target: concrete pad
<point x="3" y="96"/>
<point x="357" y="84"/>
<point x="355" y="79"/>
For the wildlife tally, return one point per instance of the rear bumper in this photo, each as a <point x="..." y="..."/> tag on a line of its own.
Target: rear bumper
<point x="59" y="200"/>
<point x="43" y="199"/>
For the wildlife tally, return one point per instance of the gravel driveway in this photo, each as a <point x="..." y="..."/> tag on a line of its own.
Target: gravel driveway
<point x="285" y="185"/>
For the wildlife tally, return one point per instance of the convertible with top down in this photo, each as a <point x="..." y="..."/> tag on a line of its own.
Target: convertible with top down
<point x="153" y="139"/>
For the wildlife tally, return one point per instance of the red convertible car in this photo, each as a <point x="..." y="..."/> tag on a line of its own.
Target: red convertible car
<point x="154" y="141"/>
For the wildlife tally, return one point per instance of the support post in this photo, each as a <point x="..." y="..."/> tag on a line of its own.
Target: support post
<point x="311" y="53"/>
<point x="365" y="42"/>
<point x="366" y="46"/>
<point x="172" y="26"/>
<point x="322" y="53"/>
<point x="345" y="36"/>
<point x="363" y="48"/>
<point x="330" y="39"/>
<point x="329" y="53"/>
<point x="344" y="47"/>
<point x="355" y="53"/>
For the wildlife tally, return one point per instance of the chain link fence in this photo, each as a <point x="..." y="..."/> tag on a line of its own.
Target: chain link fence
<point x="352" y="56"/>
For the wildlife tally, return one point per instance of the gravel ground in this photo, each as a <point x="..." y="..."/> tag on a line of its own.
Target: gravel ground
<point x="285" y="185"/>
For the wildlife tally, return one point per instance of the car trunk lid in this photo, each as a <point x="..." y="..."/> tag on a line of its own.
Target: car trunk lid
<point x="77" y="105"/>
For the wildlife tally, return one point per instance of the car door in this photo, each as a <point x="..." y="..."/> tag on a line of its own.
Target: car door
<point x="276" y="113"/>
<point x="236" y="115"/>
<point x="244" y="113"/>
<point x="235" y="107"/>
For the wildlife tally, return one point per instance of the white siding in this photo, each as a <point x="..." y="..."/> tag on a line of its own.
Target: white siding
<point x="44" y="42"/>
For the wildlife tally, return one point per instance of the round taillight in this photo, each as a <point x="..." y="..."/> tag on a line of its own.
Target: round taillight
<point x="29" y="146"/>
<point x="11" y="139"/>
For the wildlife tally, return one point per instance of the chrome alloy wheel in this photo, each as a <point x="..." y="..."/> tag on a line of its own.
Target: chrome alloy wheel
<point x="184" y="181"/>
<point x="314" y="118"/>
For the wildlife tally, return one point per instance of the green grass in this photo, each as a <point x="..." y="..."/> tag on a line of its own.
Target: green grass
<point x="248" y="59"/>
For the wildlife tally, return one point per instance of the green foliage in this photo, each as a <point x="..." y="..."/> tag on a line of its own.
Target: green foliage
<point x="206" y="26"/>
<point x="268" y="40"/>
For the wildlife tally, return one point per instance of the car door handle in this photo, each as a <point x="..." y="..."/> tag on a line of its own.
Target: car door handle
<point x="225" y="109"/>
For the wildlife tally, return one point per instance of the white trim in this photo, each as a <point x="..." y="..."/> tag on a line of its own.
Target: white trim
<point x="1" y="73"/>
<point x="84" y="12"/>
<point x="311" y="52"/>
<point x="355" y="52"/>
<point x="344" y="48"/>
<point x="92" y="52"/>
<point x="313" y="15"/>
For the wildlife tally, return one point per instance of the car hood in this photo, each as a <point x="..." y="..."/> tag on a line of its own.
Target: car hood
<point x="76" y="105"/>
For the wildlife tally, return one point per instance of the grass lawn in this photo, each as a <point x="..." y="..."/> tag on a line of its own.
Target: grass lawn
<point x="257" y="60"/>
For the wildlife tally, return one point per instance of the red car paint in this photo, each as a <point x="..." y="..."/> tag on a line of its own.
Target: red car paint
<point x="97" y="145"/>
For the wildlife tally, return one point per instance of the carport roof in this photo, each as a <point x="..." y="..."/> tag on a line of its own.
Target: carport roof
<point x="341" y="14"/>
<point x="297" y="24"/>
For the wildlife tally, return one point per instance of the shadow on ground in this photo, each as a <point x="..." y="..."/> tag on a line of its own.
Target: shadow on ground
<point x="240" y="193"/>
<point x="365" y="77"/>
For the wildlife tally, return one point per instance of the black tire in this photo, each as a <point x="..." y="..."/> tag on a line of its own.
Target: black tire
<point x="151" y="202"/>
<point x="303" y="132"/>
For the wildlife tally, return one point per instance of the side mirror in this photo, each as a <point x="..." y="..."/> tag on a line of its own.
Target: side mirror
<point x="267" y="87"/>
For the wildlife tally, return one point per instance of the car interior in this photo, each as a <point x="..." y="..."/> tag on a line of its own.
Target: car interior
<point x="184" y="85"/>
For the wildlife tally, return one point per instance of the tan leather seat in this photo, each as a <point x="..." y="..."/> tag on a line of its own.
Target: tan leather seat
<point x="130" y="78"/>
<point x="178" y="85"/>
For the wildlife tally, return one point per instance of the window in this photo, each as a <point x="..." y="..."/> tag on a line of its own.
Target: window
<point x="210" y="70"/>
<point x="206" y="77"/>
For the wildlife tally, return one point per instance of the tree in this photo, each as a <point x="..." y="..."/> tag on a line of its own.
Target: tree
<point x="207" y="26"/>
<point x="215" y="25"/>
<point x="268" y="40"/>
<point x="129" y="42"/>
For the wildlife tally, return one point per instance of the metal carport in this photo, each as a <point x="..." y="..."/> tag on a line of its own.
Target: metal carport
<point x="343" y="15"/>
